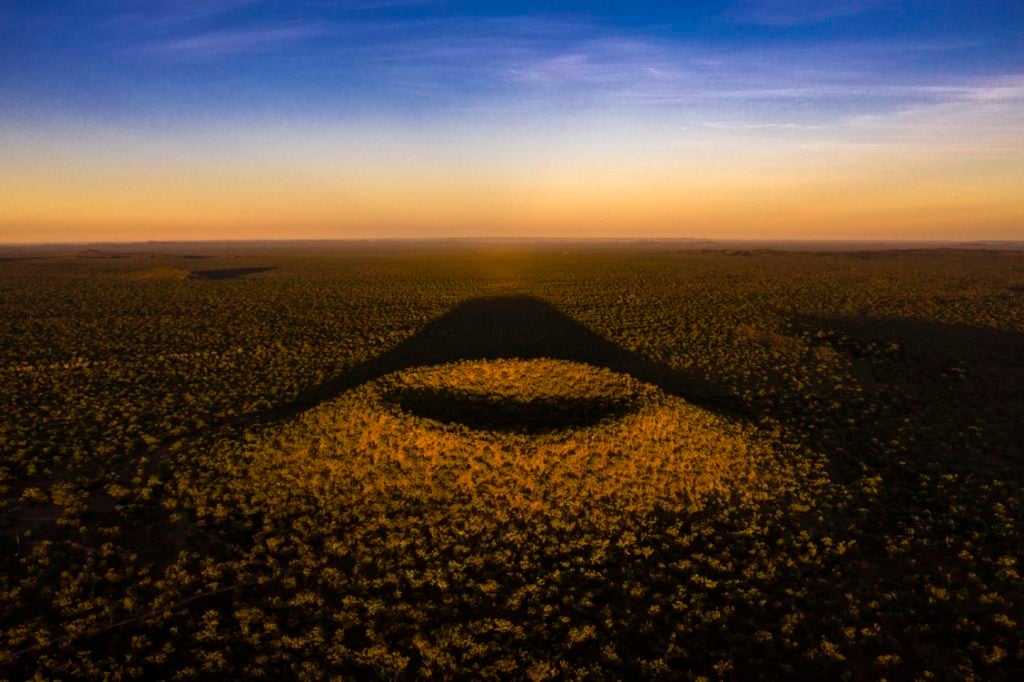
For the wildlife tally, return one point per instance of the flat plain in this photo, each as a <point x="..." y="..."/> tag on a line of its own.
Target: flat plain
<point x="512" y="461"/>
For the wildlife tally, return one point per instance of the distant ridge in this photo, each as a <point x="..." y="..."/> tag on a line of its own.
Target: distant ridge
<point x="201" y="249"/>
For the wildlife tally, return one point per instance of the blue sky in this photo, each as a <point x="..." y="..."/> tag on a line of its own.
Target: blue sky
<point x="144" y="58"/>
<point x="137" y="73"/>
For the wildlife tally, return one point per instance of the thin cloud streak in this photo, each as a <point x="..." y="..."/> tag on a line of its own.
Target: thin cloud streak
<point x="521" y="54"/>
<point x="231" y="42"/>
<point x="785" y="13"/>
<point x="722" y="125"/>
<point x="370" y="5"/>
<point x="155" y="14"/>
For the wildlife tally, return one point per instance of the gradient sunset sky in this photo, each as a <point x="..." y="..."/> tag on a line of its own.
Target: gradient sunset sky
<point x="127" y="120"/>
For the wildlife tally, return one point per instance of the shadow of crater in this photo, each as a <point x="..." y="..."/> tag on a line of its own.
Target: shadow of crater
<point x="230" y="273"/>
<point x="498" y="413"/>
<point x="513" y="327"/>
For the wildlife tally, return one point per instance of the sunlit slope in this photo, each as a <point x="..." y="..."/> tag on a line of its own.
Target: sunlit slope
<point x="512" y="434"/>
<point x="507" y="534"/>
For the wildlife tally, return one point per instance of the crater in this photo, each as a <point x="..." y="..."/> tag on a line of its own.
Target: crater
<point x="522" y="396"/>
<point x="521" y="434"/>
<point x="496" y="413"/>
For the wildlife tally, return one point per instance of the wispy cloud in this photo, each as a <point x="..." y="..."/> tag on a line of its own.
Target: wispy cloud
<point x="600" y="61"/>
<point x="370" y="5"/>
<point x="157" y="14"/>
<point x="986" y="104"/>
<point x="798" y="12"/>
<point x="725" y="125"/>
<point x="536" y="62"/>
<point x="981" y="120"/>
<point x="579" y="57"/>
<point x="1004" y="90"/>
<point x="228" y="42"/>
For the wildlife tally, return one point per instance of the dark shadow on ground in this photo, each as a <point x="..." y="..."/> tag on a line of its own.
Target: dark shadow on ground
<point x="514" y="327"/>
<point x="98" y="253"/>
<point x="963" y="382"/>
<point x="230" y="273"/>
<point x="925" y="346"/>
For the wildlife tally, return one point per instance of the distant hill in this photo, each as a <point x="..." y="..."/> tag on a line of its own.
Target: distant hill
<point x="165" y="272"/>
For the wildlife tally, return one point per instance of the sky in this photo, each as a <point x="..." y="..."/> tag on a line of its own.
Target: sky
<point x="133" y="120"/>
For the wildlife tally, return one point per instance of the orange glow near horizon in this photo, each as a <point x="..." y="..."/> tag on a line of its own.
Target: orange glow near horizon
<point x="370" y="181"/>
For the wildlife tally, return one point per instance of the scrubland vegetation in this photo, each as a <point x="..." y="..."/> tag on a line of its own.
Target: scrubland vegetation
<point x="596" y="464"/>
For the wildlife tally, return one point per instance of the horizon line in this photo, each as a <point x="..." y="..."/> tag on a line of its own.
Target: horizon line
<point x="932" y="243"/>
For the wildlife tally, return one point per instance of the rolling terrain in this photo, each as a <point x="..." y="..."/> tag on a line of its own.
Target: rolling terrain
<point x="512" y="460"/>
